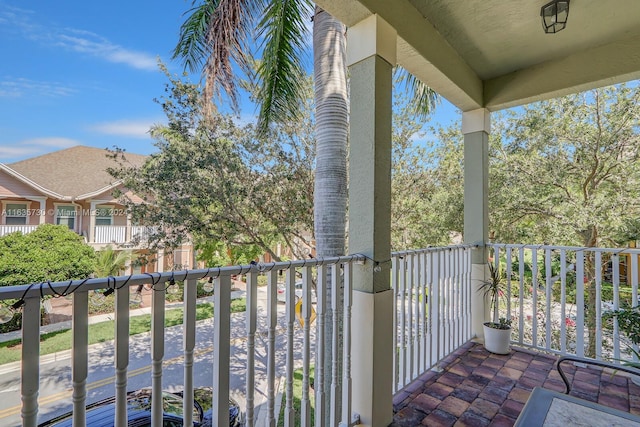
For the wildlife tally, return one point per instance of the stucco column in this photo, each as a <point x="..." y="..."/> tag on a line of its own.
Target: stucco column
<point x="42" y="216"/>
<point x="43" y="211"/>
<point x="371" y="53"/>
<point x="476" y="126"/>
<point x="127" y="231"/>
<point x="160" y="261"/>
<point x="92" y="221"/>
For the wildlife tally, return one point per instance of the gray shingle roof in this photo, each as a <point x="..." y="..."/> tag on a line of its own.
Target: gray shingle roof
<point x="74" y="171"/>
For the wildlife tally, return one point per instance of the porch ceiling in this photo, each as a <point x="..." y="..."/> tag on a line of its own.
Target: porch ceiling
<point x="494" y="53"/>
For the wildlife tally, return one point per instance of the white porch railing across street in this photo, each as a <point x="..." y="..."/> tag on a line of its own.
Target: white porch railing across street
<point x="433" y="308"/>
<point x="556" y="297"/>
<point x="141" y="233"/>
<point x="110" y="234"/>
<point x="24" y="229"/>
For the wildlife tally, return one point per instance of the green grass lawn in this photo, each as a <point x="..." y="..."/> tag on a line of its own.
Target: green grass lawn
<point x="11" y="351"/>
<point x="297" y="398"/>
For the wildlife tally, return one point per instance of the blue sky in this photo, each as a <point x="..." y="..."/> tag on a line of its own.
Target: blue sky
<point x="85" y="73"/>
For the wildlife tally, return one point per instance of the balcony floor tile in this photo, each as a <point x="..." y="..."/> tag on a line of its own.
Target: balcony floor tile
<point x="477" y="388"/>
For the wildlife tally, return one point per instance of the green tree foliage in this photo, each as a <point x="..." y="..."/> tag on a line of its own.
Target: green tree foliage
<point x="427" y="185"/>
<point x="237" y="194"/>
<point x="50" y="252"/>
<point x="567" y="171"/>
<point x="563" y="171"/>
<point x="216" y="253"/>
<point x="219" y="182"/>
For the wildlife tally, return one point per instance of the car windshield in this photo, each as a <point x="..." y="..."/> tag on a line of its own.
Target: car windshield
<point x="171" y="403"/>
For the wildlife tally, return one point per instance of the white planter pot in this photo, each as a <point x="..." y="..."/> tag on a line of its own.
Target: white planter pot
<point x="497" y="340"/>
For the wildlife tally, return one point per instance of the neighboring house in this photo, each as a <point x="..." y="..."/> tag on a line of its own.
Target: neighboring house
<point x="72" y="187"/>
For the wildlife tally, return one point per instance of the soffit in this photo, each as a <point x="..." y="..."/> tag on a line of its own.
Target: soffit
<point x="495" y="54"/>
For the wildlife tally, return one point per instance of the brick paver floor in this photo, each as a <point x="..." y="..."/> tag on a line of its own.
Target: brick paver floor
<point x="477" y="388"/>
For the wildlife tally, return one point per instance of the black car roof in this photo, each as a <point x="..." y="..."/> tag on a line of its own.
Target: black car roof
<point x="101" y="413"/>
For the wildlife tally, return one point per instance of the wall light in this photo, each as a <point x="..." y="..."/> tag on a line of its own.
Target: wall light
<point x="554" y="16"/>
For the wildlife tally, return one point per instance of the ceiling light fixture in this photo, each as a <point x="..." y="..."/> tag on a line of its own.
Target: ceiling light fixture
<point x="554" y="16"/>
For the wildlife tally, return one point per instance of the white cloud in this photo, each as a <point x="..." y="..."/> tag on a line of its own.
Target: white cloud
<point x="13" y="151"/>
<point x="130" y="128"/>
<point x="14" y="16"/>
<point x="17" y="87"/>
<point x="53" y="141"/>
<point x="95" y="45"/>
<point x="77" y="40"/>
<point x="34" y="146"/>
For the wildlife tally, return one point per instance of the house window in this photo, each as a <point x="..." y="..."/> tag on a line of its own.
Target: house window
<point x="15" y="213"/>
<point x="66" y="215"/>
<point x="103" y="215"/>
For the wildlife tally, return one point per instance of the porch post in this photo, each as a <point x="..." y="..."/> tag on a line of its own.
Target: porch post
<point x="43" y="210"/>
<point x="371" y="54"/>
<point x="92" y="221"/>
<point x="128" y="235"/>
<point x="476" y="126"/>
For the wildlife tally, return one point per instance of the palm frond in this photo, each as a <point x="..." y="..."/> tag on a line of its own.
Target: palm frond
<point x="423" y="98"/>
<point x="192" y="47"/>
<point x="110" y="262"/>
<point x="214" y="36"/>
<point x="281" y="73"/>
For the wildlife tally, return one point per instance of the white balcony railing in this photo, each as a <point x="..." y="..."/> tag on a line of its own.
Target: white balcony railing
<point x="553" y="294"/>
<point x="432" y="319"/>
<point x="141" y="233"/>
<point x="278" y="358"/>
<point x="24" y="229"/>
<point x="119" y="233"/>
<point x="110" y="234"/>
<point x="433" y="308"/>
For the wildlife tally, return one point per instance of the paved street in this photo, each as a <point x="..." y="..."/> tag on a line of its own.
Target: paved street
<point x="55" y="373"/>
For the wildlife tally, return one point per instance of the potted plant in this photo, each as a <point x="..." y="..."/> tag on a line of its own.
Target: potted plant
<point x="497" y="332"/>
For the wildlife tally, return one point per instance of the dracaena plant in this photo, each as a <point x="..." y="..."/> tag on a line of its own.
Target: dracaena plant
<point x="493" y="289"/>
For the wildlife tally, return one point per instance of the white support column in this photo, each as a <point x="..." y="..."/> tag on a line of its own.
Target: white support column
<point x="42" y="218"/>
<point x="92" y="221"/>
<point x="43" y="211"/>
<point x="476" y="126"/>
<point x="160" y="261"/>
<point x="127" y="232"/>
<point x="371" y="56"/>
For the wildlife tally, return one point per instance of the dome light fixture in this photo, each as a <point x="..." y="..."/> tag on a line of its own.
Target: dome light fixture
<point x="554" y="16"/>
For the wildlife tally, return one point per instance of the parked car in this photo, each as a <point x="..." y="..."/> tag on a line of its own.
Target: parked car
<point x="102" y="413"/>
<point x="282" y="294"/>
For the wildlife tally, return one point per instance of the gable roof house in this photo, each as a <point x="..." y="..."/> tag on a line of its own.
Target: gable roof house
<point x="71" y="187"/>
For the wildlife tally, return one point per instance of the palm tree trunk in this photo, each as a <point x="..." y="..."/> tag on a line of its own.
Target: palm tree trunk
<point x="330" y="192"/>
